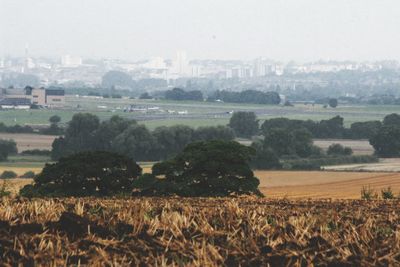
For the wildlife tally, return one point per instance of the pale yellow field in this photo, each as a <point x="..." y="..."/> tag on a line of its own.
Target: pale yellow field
<point x="360" y="147"/>
<point x="324" y="184"/>
<point x="13" y="185"/>
<point x="30" y="141"/>
<point x="19" y="170"/>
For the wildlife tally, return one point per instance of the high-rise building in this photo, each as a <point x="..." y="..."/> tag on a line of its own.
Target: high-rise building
<point x="181" y="63"/>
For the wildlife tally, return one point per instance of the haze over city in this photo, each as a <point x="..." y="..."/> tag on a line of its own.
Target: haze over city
<point x="303" y="30"/>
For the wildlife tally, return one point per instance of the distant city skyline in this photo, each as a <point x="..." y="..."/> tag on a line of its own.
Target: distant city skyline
<point x="299" y="30"/>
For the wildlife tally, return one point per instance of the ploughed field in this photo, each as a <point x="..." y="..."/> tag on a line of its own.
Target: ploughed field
<point x="199" y="232"/>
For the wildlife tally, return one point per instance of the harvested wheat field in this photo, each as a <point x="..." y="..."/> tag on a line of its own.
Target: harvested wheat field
<point x="360" y="147"/>
<point x="199" y="232"/>
<point x="324" y="184"/>
<point x="30" y="141"/>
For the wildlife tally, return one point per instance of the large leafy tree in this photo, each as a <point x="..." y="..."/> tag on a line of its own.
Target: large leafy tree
<point x="95" y="173"/>
<point x="135" y="142"/>
<point x="244" y="124"/>
<point x="79" y="136"/>
<point x="387" y="141"/>
<point x="172" y="140"/>
<point x="213" y="168"/>
<point x="392" y="120"/>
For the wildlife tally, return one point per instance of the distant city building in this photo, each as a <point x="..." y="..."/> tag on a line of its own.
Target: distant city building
<point x="69" y="61"/>
<point x="181" y="63"/>
<point x="20" y="98"/>
<point x="15" y="103"/>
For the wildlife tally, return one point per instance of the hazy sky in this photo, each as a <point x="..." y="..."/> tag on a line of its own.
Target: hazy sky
<point x="222" y="29"/>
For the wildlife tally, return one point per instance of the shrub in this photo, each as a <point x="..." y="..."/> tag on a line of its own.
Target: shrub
<point x="94" y="173"/>
<point x="368" y="193"/>
<point x="8" y="175"/>
<point x="387" y="193"/>
<point x="28" y="174"/>
<point x="339" y="150"/>
<point x="4" y="189"/>
<point x="36" y="152"/>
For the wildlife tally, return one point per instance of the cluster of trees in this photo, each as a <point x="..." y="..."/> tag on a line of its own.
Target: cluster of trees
<point x="7" y="147"/>
<point x="53" y="129"/>
<point x="246" y="96"/>
<point x="245" y="124"/>
<point x="212" y="168"/>
<point x="180" y="94"/>
<point x="331" y="128"/>
<point x="85" y="132"/>
<point x="15" y="128"/>
<point x="289" y="143"/>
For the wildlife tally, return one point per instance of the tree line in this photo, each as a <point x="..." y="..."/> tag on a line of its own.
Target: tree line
<point x="246" y="124"/>
<point x="85" y="132"/>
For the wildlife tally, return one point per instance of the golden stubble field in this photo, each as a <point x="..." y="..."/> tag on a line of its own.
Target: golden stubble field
<point x="245" y="231"/>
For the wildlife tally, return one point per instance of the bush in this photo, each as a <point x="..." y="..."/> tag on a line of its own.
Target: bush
<point x="95" y="173"/>
<point x="387" y="193"/>
<point x="339" y="150"/>
<point x="28" y="174"/>
<point x="8" y="175"/>
<point x="4" y="190"/>
<point x="368" y="193"/>
<point x="36" y="152"/>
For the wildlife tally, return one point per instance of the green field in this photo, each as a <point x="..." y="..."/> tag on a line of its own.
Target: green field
<point x="198" y="113"/>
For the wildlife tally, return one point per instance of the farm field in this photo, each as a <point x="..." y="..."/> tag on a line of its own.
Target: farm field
<point x="324" y="184"/>
<point x="30" y="141"/>
<point x="385" y="165"/>
<point x="360" y="147"/>
<point x="199" y="232"/>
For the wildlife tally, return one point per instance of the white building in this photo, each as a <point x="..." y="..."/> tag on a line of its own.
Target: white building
<point x="181" y="63"/>
<point x="69" y="61"/>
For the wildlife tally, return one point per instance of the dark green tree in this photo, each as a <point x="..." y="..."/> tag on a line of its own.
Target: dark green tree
<point x="333" y="102"/>
<point x="387" y="141"/>
<point x="213" y="168"/>
<point x="213" y="133"/>
<point x="94" y="173"/>
<point x="392" y="120"/>
<point x="244" y="124"/>
<point x="7" y="147"/>
<point x="55" y="119"/>
<point x="172" y="140"/>
<point x="135" y="142"/>
<point x="265" y="158"/>
<point x="79" y="136"/>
